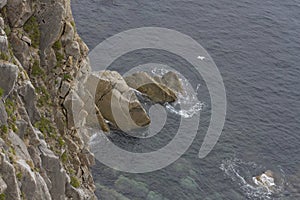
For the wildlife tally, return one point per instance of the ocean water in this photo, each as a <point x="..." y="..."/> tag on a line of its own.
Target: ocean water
<point x="256" y="46"/>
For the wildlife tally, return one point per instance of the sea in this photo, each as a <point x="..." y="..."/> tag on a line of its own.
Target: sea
<point x="255" y="45"/>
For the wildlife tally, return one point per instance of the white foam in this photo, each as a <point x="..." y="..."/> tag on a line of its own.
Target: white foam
<point x="235" y="168"/>
<point x="187" y="104"/>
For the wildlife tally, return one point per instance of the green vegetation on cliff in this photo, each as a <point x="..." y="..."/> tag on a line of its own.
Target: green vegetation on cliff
<point x="32" y="28"/>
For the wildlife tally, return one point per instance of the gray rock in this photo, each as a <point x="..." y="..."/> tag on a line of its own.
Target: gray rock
<point x="35" y="156"/>
<point x="20" y="147"/>
<point x="1" y="19"/>
<point x="19" y="11"/>
<point x="51" y="29"/>
<point x="55" y="173"/>
<point x="2" y="3"/>
<point x="27" y="92"/>
<point x="22" y="128"/>
<point x="52" y="26"/>
<point x="26" y="39"/>
<point x="32" y="184"/>
<point x="3" y="145"/>
<point x="59" y="118"/>
<point x="69" y="33"/>
<point x="42" y="188"/>
<point x="136" y="189"/>
<point x="3" y="114"/>
<point x="75" y="113"/>
<point x="94" y="118"/>
<point x="7" y="171"/>
<point x="116" y="101"/>
<point x="3" y="186"/>
<point x="88" y="157"/>
<point x="144" y="83"/>
<point x="74" y="193"/>
<point x="21" y="50"/>
<point x="8" y="77"/>
<point x="64" y="89"/>
<point x="3" y="42"/>
<point x="73" y="49"/>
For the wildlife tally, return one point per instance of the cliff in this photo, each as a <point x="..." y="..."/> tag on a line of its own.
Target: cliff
<point x="43" y="64"/>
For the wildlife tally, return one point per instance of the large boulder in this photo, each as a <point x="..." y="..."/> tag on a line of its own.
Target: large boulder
<point x="116" y="101"/>
<point x="156" y="91"/>
<point x="94" y="117"/>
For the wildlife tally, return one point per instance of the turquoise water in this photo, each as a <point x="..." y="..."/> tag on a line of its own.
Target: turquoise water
<point x="256" y="46"/>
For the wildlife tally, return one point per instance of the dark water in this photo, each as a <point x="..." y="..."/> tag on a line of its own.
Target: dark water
<point x="256" y="46"/>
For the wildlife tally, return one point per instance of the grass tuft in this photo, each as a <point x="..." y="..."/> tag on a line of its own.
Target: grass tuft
<point x="75" y="182"/>
<point x="32" y="28"/>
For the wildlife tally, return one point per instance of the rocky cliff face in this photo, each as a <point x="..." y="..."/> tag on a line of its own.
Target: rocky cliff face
<point x="43" y="64"/>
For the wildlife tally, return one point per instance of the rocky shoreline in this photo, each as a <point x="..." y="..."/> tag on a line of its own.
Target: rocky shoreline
<point x="115" y="98"/>
<point x="48" y="95"/>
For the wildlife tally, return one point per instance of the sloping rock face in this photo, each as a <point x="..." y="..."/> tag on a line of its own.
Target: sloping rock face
<point x="44" y="152"/>
<point x="171" y="80"/>
<point x="9" y="73"/>
<point x="156" y="91"/>
<point x="116" y="101"/>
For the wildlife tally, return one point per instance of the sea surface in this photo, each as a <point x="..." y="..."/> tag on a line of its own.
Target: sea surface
<point x="256" y="46"/>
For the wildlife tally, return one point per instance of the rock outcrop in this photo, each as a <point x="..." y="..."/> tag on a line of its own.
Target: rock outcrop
<point x="110" y="97"/>
<point x="172" y="81"/>
<point x="43" y="67"/>
<point x="116" y="101"/>
<point x="156" y="91"/>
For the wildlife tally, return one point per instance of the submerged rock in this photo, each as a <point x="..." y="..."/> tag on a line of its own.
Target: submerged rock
<point x="189" y="184"/>
<point x="110" y="194"/>
<point x="156" y="91"/>
<point x="154" y="196"/>
<point x="134" y="188"/>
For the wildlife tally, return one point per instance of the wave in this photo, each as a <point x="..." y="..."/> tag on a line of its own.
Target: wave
<point x="187" y="104"/>
<point x="241" y="173"/>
